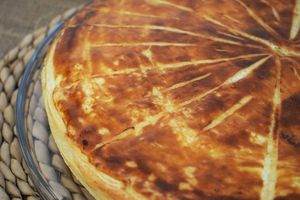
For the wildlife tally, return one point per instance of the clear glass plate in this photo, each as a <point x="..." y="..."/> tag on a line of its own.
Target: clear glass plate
<point x="47" y="170"/>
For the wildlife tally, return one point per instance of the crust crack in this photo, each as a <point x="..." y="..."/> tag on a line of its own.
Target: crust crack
<point x="296" y="21"/>
<point x="269" y="172"/>
<point x="228" y="113"/>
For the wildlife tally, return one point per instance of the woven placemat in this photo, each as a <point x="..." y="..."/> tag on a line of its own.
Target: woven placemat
<point x="15" y="182"/>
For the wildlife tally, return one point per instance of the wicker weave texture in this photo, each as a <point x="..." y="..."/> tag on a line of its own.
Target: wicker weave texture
<point x="15" y="182"/>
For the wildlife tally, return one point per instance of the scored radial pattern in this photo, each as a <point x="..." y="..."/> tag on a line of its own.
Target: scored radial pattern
<point x="186" y="99"/>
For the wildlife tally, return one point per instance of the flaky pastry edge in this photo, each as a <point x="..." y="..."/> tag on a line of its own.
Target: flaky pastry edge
<point x="99" y="184"/>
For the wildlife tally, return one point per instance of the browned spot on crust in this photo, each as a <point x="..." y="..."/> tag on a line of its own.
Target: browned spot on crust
<point x="291" y="139"/>
<point x="165" y="186"/>
<point x="70" y="33"/>
<point x="291" y="111"/>
<point x="289" y="197"/>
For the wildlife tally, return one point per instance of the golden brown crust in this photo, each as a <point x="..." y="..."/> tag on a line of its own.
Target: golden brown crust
<point x="99" y="184"/>
<point x="181" y="99"/>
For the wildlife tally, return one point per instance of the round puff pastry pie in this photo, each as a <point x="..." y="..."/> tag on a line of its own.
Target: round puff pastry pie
<point x="179" y="99"/>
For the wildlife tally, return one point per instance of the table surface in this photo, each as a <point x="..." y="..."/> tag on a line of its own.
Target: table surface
<point x="20" y="17"/>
